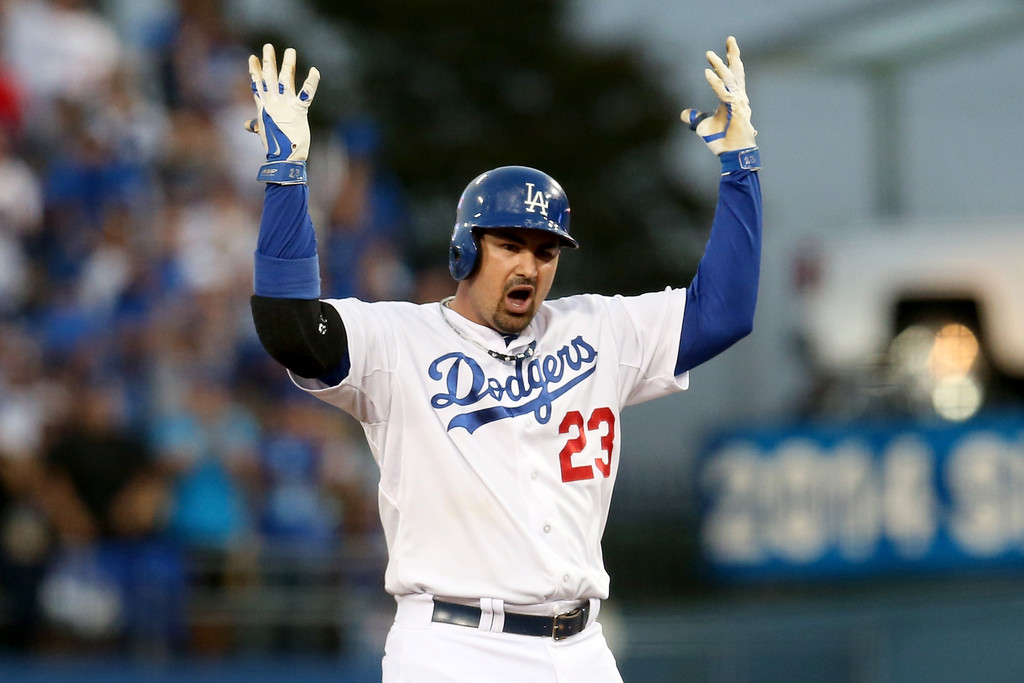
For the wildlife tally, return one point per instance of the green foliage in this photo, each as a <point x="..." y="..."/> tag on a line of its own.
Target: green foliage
<point x="460" y="87"/>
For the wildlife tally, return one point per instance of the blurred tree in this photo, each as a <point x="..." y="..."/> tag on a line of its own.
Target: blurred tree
<point x="458" y="87"/>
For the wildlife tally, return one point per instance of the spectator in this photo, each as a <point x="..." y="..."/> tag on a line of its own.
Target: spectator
<point x="367" y="226"/>
<point x="314" y="503"/>
<point x="29" y="403"/>
<point x="200" y="54"/>
<point x="209" y="444"/>
<point x="127" y="215"/>
<point x="21" y="195"/>
<point x="11" y="99"/>
<point x="21" y="213"/>
<point x="59" y="50"/>
<point x="115" y="582"/>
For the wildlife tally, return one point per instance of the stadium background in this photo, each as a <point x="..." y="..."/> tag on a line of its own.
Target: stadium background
<point x="127" y="218"/>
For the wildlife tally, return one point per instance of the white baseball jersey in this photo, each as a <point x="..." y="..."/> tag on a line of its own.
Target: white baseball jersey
<point x="496" y="476"/>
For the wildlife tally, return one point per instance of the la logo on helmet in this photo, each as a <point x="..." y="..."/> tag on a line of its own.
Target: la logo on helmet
<point x="535" y="200"/>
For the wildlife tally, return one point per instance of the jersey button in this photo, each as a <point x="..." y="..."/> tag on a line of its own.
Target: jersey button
<point x="565" y="578"/>
<point x="533" y="475"/>
<point x="547" y="528"/>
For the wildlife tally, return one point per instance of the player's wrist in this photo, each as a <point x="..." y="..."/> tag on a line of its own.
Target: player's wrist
<point x="283" y="173"/>
<point x="733" y="161"/>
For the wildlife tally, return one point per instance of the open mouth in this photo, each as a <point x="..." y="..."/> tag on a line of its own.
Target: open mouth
<point x="518" y="299"/>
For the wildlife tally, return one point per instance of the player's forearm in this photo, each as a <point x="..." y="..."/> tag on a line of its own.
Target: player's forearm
<point x="721" y="299"/>
<point x="297" y="329"/>
<point x="286" y="263"/>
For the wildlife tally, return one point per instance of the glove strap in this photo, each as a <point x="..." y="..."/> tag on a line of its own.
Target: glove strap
<point x="283" y="173"/>
<point x="742" y="160"/>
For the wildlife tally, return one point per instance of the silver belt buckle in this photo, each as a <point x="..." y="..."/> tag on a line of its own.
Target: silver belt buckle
<point x="562" y="621"/>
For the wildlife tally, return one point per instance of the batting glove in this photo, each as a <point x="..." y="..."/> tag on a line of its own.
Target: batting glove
<point x="281" y="116"/>
<point x="728" y="132"/>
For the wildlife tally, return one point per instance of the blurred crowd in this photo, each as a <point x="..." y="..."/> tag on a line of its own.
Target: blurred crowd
<point x="142" y="427"/>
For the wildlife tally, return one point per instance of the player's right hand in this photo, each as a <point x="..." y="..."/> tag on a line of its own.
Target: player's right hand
<point x="281" y="119"/>
<point x="729" y="129"/>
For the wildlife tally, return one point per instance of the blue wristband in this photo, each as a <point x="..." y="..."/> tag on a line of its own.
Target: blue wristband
<point x="742" y="160"/>
<point x="283" y="172"/>
<point x="286" y="278"/>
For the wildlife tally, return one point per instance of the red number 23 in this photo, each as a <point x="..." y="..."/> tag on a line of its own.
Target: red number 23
<point x="573" y="423"/>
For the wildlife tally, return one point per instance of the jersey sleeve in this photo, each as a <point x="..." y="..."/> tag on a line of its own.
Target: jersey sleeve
<point x="646" y="330"/>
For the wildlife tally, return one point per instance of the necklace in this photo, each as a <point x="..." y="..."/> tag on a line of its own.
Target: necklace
<point x="507" y="357"/>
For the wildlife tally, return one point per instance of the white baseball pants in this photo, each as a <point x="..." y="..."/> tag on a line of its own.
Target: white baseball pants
<point x="421" y="651"/>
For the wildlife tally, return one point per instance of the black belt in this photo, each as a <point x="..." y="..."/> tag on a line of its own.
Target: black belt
<point x="558" y="627"/>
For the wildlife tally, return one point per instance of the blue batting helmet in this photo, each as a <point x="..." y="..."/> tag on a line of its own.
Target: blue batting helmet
<point x="507" y="197"/>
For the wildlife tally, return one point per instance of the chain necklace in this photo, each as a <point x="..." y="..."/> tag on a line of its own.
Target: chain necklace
<point x="507" y="357"/>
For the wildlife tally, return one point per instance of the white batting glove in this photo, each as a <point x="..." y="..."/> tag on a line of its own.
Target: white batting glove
<point x="281" y="116"/>
<point x="729" y="129"/>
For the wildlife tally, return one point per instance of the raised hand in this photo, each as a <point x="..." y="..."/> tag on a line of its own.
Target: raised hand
<point x="729" y="128"/>
<point x="281" y="119"/>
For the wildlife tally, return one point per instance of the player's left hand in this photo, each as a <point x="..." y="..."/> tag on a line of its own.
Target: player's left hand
<point x="281" y="116"/>
<point x="729" y="129"/>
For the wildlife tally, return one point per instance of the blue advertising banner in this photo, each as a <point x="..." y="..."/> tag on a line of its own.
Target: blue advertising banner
<point x="863" y="499"/>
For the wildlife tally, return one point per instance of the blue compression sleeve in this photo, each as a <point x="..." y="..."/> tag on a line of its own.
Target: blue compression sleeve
<point x="286" y="264"/>
<point x="721" y="299"/>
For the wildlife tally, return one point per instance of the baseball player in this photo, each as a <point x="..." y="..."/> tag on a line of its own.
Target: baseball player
<point x="493" y="415"/>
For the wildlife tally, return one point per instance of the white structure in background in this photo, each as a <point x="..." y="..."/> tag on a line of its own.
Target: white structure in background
<point x="920" y="318"/>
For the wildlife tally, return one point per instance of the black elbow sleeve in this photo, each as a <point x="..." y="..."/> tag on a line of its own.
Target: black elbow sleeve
<point x="304" y="335"/>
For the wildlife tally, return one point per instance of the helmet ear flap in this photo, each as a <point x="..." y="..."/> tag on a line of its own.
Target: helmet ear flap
<point x="455" y="260"/>
<point x="462" y="253"/>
